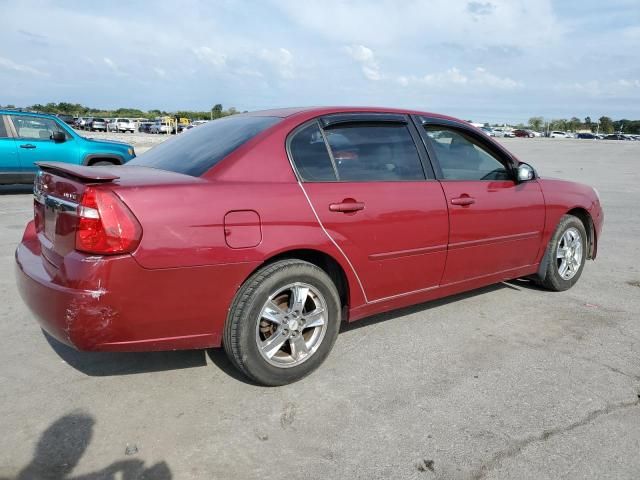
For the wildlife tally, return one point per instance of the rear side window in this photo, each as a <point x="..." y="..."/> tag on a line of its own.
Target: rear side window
<point x="310" y="155"/>
<point x="360" y="152"/>
<point x="374" y="152"/>
<point x="198" y="149"/>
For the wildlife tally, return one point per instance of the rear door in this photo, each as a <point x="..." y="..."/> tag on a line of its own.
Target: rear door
<point x="366" y="178"/>
<point x="33" y="139"/>
<point x="495" y="223"/>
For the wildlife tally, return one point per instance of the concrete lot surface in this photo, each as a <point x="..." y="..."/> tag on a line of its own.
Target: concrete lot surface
<point x="507" y="382"/>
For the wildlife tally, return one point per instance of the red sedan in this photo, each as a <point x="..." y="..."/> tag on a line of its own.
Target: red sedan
<point x="262" y="232"/>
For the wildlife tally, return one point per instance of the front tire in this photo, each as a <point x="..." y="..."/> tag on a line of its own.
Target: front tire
<point x="283" y="322"/>
<point x="566" y="255"/>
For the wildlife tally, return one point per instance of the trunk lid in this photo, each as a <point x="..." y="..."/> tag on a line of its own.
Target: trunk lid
<point x="58" y="192"/>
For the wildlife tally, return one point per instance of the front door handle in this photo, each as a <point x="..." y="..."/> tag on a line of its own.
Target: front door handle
<point x="27" y="145"/>
<point x="464" y="200"/>
<point x="346" y="206"/>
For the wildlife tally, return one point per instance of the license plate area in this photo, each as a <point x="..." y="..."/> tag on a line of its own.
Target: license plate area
<point x="50" y="220"/>
<point x="58" y="215"/>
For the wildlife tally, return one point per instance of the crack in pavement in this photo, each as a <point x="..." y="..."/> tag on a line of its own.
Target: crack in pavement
<point x="617" y="370"/>
<point x="517" y="447"/>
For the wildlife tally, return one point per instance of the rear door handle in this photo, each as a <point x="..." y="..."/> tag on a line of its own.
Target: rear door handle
<point x="27" y="145"/>
<point x="346" y="206"/>
<point x="463" y="200"/>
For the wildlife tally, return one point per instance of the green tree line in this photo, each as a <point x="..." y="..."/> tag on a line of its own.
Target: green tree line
<point x="76" y="109"/>
<point x="602" y="125"/>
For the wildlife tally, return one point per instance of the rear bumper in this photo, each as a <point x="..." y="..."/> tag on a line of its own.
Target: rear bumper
<point x="113" y="304"/>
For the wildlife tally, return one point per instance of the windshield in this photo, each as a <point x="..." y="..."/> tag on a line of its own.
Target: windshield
<point x="198" y="149"/>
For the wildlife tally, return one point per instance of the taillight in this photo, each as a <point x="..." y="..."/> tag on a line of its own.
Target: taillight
<point x="105" y="224"/>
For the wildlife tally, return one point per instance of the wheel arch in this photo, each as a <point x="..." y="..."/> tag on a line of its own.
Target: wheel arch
<point x="585" y="217"/>
<point x="322" y="260"/>
<point x="102" y="157"/>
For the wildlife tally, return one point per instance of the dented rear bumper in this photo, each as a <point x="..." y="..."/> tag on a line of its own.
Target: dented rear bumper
<point x="107" y="303"/>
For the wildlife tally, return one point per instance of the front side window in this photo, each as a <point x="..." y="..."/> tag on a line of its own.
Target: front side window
<point x="461" y="157"/>
<point x="374" y="152"/>
<point x="35" y="127"/>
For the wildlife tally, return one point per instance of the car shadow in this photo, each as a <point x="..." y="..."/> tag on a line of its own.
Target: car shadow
<point x="104" y="364"/>
<point x="62" y="445"/>
<point x="19" y="189"/>
<point x="219" y="358"/>
<point x="517" y="285"/>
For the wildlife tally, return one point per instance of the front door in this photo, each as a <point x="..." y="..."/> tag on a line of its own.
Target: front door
<point x="495" y="223"/>
<point x="376" y="199"/>
<point x="33" y="139"/>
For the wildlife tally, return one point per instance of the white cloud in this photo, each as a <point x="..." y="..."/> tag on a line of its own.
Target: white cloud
<point x="281" y="59"/>
<point x="601" y="89"/>
<point x="210" y="56"/>
<point x="9" y="64"/>
<point x="160" y="72"/>
<point x="451" y="76"/>
<point x="367" y="60"/>
<point x="113" y="66"/>
<point x="628" y="83"/>
<point x="482" y="77"/>
<point x="384" y="22"/>
<point x="454" y="77"/>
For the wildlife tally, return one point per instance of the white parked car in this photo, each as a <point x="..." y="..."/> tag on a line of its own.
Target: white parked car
<point x="503" y="132"/>
<point x="559" y="134"/>
<point x="160" y="127"/>
<point x="121" y="125"/>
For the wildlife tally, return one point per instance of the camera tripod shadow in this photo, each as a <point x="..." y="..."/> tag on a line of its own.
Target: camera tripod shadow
<point x="62" y="445"/>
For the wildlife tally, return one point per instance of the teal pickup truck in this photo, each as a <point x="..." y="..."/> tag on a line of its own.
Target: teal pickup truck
<point x="27" y="138"/>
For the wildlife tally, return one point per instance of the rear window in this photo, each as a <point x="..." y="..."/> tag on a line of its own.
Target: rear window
<point x="197" y="150"/>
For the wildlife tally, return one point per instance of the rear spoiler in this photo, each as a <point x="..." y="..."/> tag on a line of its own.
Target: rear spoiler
<point x="91" y="174"/>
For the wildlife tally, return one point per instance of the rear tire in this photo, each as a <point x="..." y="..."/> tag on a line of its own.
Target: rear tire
<point x="283" y="322"/>
<point x="102" y="163"/>
<point x="565" y="256"/>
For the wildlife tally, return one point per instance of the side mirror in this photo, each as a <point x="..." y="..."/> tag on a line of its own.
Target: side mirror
<point x="58" y="137"/>
<point x="525" y="173"/>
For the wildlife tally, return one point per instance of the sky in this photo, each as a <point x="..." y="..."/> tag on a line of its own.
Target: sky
<point x="493" y="60"/>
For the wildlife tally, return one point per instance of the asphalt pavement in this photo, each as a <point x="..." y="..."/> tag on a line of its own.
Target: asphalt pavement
<point x="506" y="382"/>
